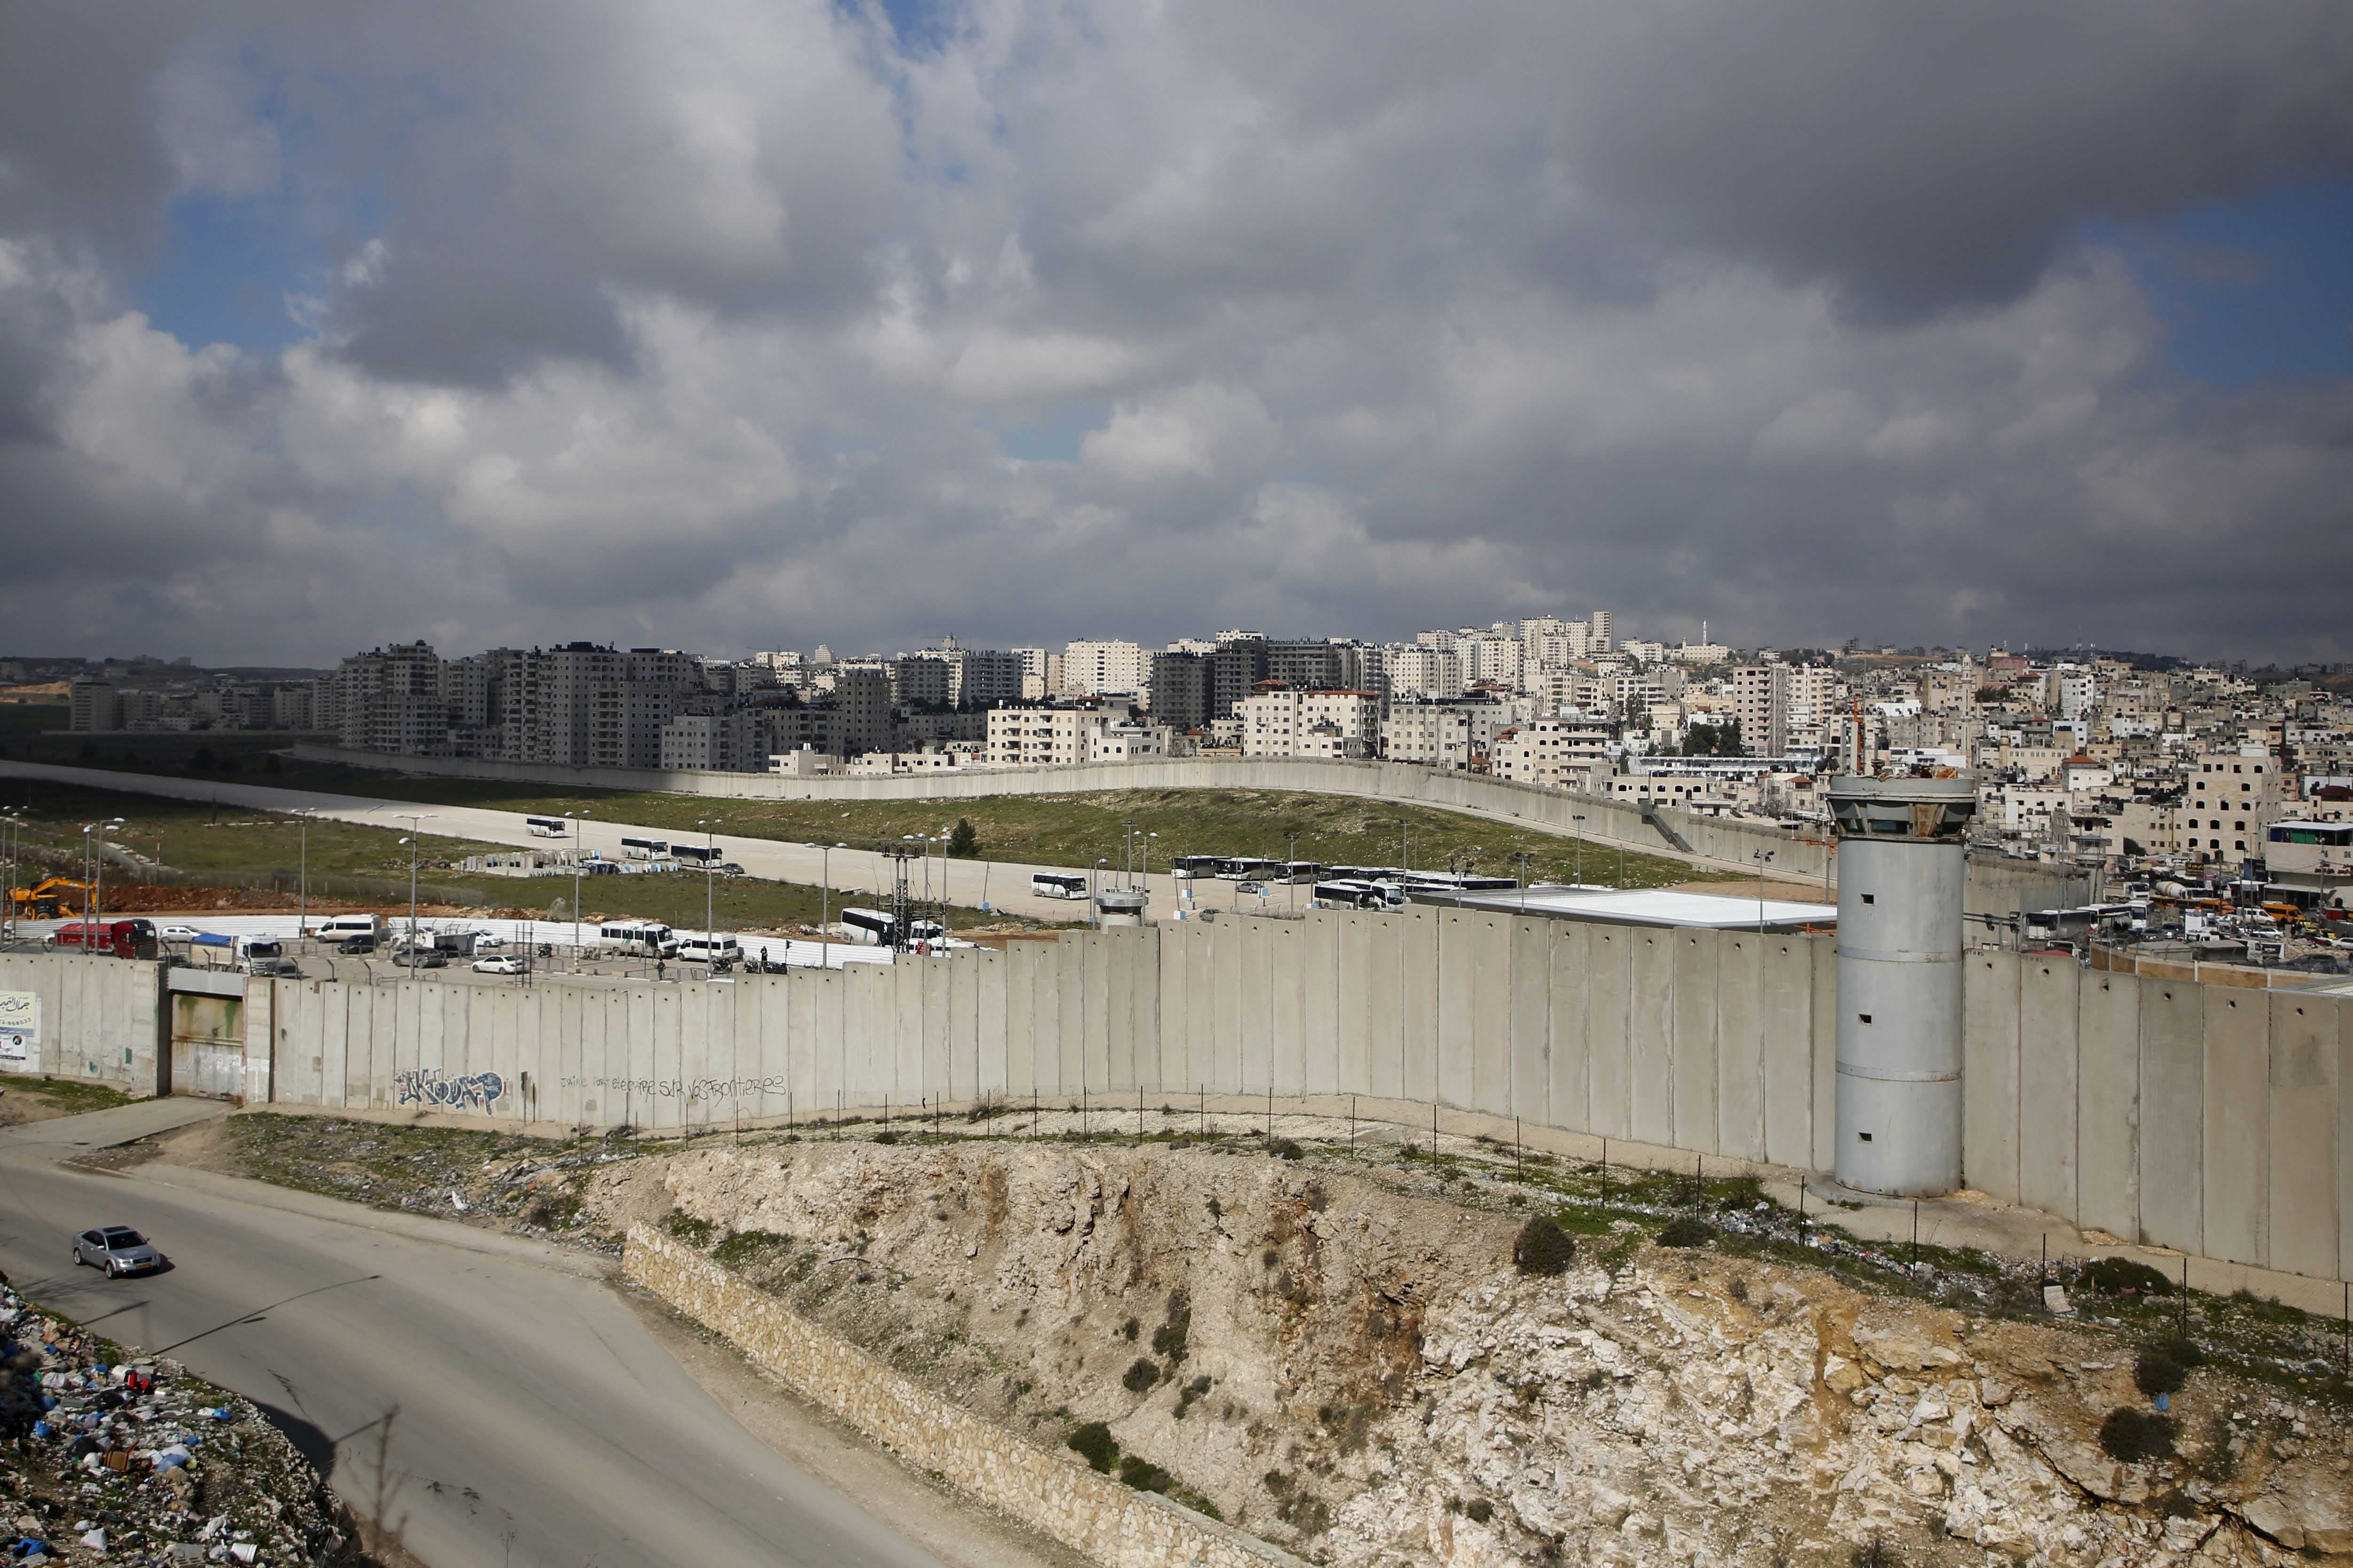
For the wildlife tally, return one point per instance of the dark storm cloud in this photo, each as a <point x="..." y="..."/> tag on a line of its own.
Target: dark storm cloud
<point x="694" y="326"/>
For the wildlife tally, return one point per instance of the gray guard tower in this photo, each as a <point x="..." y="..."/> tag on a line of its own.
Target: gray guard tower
<point x="1900" y="863"/>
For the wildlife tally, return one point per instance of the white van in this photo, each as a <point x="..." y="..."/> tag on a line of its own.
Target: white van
<point x="337" y="927"/>
<point x="705" y="948"/>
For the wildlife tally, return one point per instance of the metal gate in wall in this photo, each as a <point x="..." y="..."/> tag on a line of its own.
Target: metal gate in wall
<point x="207" y="1046"/>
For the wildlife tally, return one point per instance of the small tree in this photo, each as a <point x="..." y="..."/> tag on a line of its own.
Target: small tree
<point x="964" y="843"/>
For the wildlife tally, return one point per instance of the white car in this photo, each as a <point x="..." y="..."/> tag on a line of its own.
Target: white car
<point x="180" y="933"/>
<point x="500" y="965"/>
<point x="485" y="940"/>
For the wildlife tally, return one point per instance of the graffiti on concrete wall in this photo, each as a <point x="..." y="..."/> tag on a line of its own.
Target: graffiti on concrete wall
<point x="686" y="1088"/>
<point x="427" y="1086"/>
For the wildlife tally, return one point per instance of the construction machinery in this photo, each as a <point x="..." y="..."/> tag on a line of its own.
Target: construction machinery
<point x="48" y="899"/>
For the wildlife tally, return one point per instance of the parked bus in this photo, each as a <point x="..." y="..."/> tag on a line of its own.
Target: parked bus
<point x="1350" y="894"/>
<point x="646" y="848"/>
<point x="1251" y="868"/>
<point x="1185" y="868"/>
<point x="709" y="948"/>
<point x="1054" y="885"/>
<point x="548" y="826"/>
<point x="873" y="928"/>
<point x="112" y="938"/>
<point x="641" y="939"/>
<point x="701" y="854"/>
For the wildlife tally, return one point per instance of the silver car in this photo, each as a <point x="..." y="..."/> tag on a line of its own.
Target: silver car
<point x="117" y="1249"/>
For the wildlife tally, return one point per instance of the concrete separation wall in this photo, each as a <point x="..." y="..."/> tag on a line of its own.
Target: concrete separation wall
<point x="1050" y="1491"/>
<point x="1711" y="838"/>
<point x="100" y="1019"/>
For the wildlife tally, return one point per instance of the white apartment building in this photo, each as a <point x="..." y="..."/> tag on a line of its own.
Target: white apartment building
<point x="1760" y="700"/>
<point x="1094" y="669"/>
<point x="1449" y="735"/>
<point x="2233" y="796"/>
<point x="1423" y="669"/>
<point x="1554" y="752"/>
<point x="1064" y="737"/>
<point x="1320" y="724"/>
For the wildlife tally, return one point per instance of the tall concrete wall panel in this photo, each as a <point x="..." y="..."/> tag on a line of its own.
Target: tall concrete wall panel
<point x="2047" y="1078"/>
<point x="1824" y="1118"/>
<point x="1785" y="1049"/>
<point x="1610" y="1048"/>
<point x="1528" y="1094"/>
<point x="2172" y="1114"/>
<point x="1740" y="1045"/>
<point x="2238" y="1127"/>
<point x="1568" y="1091"/>
<point x="2107" y="1119"/>
<point x="1420" y="968"/>
<point x="1651" y="1036"/>
<point x="1695" y="961"/>
<point x="1319" y="983"/>
<point x="2301" y="1151"/>
<point x="1990" y="1073"/>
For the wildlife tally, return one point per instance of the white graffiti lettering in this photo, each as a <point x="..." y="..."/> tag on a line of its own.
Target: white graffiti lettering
<point x="685" y="1088"/>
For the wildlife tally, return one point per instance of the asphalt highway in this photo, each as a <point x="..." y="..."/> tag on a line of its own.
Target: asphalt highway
<point x="538" y="1421"/>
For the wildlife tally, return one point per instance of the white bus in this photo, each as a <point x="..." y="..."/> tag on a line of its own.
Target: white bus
<point x="701" y="854"/>
<point x="1185" y="868"/>
<point x="709" y="948"/>
<point x="1251" y="868"/>
<point x="1351" y="894"/>
<point x="873" y="928"/>
<point x="645" y="939"/>
<point x="1054" y="885"/>
<point x="645" y="849"/>
<point x="548" y="826"/>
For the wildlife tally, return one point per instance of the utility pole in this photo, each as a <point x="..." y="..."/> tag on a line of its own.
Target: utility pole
<point x="416" y="820"/>
<point x="1579" y="831"/>
<point x="302" y="882"/>
<point x="710" y="826"/>
<point x="578" y="821"/>
<point x="1763" y="859"/>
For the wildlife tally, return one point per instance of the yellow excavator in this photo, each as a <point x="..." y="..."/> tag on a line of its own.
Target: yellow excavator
<point x="48" y="899"/>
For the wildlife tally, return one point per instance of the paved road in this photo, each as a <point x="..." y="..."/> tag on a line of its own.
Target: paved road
<point x="532" y="1401"/>
<point x="1001" y="884"/>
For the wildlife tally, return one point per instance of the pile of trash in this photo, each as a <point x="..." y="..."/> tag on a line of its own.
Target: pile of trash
<point x="130" y="1459"/>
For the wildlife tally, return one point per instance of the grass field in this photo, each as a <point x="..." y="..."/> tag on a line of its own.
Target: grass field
<point x="233" y="847"/>
<point x="1056" y="830"/>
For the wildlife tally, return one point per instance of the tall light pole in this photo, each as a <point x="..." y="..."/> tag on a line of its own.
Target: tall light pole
<point x="12" y="838"/>
<point x="825" y="903"/>
<point x="1763" y="858"/>
<point x="416" y="820"/>
<point x="710" y="826"/>
<point x="302" y="881"/>
<point x="95" y="909"/>
<point x="1291" y="874"/>
<point x="1577" y="830"/>
<point x="578" y="821"/>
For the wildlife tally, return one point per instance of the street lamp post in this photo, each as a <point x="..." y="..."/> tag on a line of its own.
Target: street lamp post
<point x="1763" y="858"/>
<point x="94" y="911"/>
<point x="578" y="821"/>
<point x="710" y="826"/>
<point x="1291" y="874"/>
<point x="1579" y="820"/>
<point x="416" y="820"/>
<point x="302" y="881"/>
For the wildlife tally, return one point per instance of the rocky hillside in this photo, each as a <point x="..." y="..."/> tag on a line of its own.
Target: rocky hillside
<point x="1361" y="1372"/>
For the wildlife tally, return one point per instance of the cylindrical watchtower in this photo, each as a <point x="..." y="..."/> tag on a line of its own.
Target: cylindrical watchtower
<point x="1900" y="863"/>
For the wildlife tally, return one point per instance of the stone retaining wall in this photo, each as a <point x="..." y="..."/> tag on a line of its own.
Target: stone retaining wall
<point x="1050" y="1490"/>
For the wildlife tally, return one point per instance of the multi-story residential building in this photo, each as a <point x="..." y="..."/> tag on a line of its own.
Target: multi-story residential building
<point x="1456" y="736"/>
<point x="1235" y="670"/>
<point x="1104" y="669"/>
<point x="1553" y="751"/>
<point x="921" y="681"/>
<point x="1288" y="722"/>
<point x="1760" y="700"/>
<point x="1064" y="737"/>
<point x="1180" y="688"/>
<point x="1424" y="671"/>
<point x="2233" y="796"/>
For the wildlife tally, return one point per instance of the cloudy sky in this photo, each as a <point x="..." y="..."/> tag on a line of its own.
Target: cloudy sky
<point x="742" y="325"/>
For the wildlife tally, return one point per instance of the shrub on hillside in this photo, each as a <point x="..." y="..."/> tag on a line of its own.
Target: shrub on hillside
<point x="2132" y="1437"/>
<point x="1687" y="1232"/>
<point x="2156" y="1372"/>
<point x="1095" y="1444"/>
<point x="1543" y="1247"/>
<point x="2123" y="1277"/>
